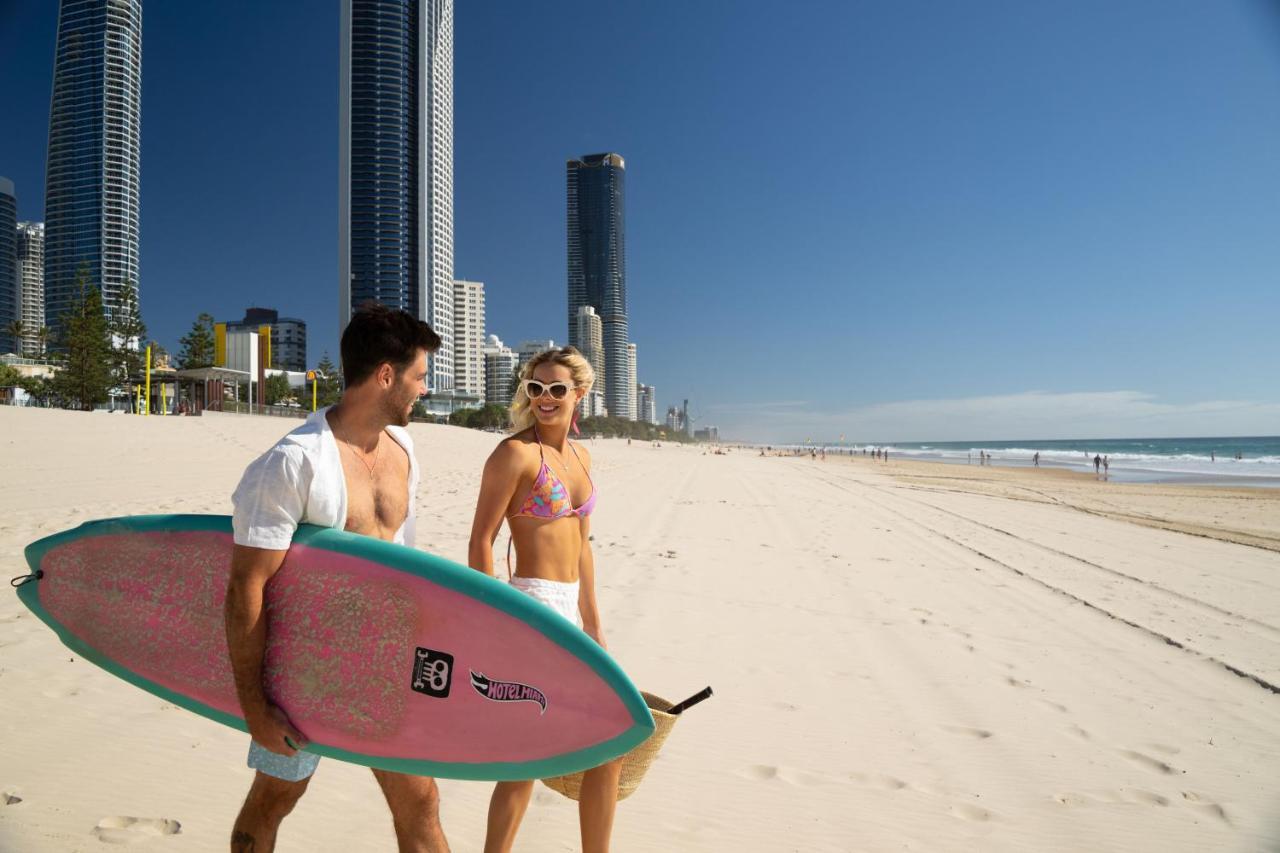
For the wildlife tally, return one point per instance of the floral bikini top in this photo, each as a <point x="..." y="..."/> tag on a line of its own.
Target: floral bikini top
<point x="549" y="497"/>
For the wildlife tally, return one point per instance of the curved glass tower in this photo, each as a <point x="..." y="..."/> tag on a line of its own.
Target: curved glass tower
<point x="396" y="184"/>
<point x="91" y="178"/>
<point x="10" y="287"/>
<point x="596" y="232"/>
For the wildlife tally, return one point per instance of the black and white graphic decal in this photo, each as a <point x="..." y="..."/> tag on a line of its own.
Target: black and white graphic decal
<point x="432" y="672"/>
<point x="507" y="691"/>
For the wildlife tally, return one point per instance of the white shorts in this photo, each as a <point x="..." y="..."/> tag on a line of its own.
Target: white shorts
<point x="560" y="597"/>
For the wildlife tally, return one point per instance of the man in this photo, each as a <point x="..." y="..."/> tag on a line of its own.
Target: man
<point x="351" y="467"/>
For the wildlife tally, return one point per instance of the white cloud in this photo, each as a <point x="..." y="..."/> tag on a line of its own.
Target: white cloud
<point x="1032" y="414"/>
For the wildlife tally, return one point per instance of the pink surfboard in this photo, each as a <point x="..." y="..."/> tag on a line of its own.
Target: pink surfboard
<point x="381" y="655"/>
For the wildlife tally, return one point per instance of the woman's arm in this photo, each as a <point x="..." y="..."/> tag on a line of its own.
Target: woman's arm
<point x="587" y="605"/>
<point x="497" y="487"/>
<point x="587" y="588"/>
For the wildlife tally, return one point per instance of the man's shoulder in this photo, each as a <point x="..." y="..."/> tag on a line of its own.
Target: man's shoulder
<point x="305" y="437"/>
<point x="401" y="434"/>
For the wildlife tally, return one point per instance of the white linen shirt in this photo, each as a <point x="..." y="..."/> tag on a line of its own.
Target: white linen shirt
<point x="300" y="480"/>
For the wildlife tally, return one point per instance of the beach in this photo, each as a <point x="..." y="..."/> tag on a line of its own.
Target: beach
<point x="905" y="655"/>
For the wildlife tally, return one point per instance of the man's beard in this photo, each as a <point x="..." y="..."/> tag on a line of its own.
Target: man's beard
<point x="397" y="413"/>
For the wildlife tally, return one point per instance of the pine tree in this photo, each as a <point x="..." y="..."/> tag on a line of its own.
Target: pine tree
<point x="197" y="344"/>
<point x="85" y="379"/>
<point x="277" y="389"/>
<point x="330" y="390"/>
<point x="127" y="333"/>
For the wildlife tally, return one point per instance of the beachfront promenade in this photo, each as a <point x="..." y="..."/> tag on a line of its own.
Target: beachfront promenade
<point x="904" y="655"/>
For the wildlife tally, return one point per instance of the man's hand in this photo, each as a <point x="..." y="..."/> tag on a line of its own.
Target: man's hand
<point x="273" y="730"/>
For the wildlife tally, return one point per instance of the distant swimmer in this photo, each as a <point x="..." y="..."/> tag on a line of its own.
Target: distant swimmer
<point x="1212" y="456"/>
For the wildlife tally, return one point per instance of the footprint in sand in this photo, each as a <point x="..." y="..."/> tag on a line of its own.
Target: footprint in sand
<point x="788" y="775"/>
<point x="970" y="812"/>
<point x="1201" y="804"/>
<point x="9" y="797"/>
<point x="977" y="734"/>
<point x="126" y="830"/>
<point x="1148" y="762"/>
<point x="761" y="772"/>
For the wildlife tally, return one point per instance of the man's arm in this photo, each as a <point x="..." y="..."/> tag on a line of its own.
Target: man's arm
<point x="246" y="627"/>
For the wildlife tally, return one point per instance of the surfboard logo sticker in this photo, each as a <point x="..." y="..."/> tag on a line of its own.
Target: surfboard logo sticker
<point x="507" y="691"/>
<point x="432" y="672"/>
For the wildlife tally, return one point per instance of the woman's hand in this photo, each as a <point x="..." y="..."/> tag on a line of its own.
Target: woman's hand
<point x="596" y="633"/>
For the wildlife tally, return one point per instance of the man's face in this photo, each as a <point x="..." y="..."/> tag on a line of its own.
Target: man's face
<point x="405" y="389"/>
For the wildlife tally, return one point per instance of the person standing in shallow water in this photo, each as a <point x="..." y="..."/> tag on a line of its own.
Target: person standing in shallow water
<point x="349" y="467"/>
<point x="539" y="482"/>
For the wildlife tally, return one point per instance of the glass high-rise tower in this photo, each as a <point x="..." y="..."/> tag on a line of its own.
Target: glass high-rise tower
<point x="91" y="177"/>
<point x="10" y="287"/>
<point x="596" y="240"/>
<point x="396" y="162"/>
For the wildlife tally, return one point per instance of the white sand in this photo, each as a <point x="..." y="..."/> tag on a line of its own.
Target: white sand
<point x="904" y="657"/>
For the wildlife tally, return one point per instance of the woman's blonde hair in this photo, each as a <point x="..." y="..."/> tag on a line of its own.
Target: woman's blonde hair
<point x="583" y="376"/>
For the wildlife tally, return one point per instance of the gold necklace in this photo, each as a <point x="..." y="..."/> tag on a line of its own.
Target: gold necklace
<point x="357" y="455"/>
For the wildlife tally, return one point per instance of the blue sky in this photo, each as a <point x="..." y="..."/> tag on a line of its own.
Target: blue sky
<point x="893" y="220"/>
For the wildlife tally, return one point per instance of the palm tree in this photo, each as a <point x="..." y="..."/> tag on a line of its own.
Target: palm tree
<point x="19" y="331"/>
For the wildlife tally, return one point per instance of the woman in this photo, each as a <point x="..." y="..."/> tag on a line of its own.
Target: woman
<point x="539" y="482"/>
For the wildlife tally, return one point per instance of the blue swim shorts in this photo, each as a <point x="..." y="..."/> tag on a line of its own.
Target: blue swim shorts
<point x="291" y="769"/>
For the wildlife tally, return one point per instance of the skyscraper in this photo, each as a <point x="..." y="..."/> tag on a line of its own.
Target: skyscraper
<point x="631" y="381"/>
<point x="92" y="174"/>
<point x="396" y="166"/>
<point x="647" y="404"/>
<point x="528" y="349"/>
<point x="588" y="336"/>
<point x="31" y="284"/>
<point x="499" y="372"/>
<point x="596" y="242"/>
<point x="468" y="338"/>
<point x="10" y="309"/>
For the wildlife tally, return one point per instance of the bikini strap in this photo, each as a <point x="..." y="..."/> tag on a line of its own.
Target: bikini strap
<point x="583" y="466"/>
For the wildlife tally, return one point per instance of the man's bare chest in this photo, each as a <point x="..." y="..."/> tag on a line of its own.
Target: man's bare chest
<point x="377" y="491"/>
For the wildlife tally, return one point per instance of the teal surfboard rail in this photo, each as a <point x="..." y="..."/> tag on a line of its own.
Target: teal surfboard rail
<point x="430" y="567"/>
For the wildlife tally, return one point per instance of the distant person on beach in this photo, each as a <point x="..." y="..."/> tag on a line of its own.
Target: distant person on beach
<point x="350" y="467"/>
<point x="1106" y="467"/>
<point x="1036" y="459"/>
<point x="1212" y="457"/>
<point x="1097" y="465"/>
<point x="539" y="482"/>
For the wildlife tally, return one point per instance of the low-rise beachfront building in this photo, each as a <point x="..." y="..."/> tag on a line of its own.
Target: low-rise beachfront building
<point x="288" y="337"/>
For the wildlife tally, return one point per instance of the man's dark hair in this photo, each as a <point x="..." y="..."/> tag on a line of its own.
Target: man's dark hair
<point x="378" y="334"/>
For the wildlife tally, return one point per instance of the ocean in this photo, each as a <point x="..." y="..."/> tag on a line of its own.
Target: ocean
<point x="1201" y="460"/>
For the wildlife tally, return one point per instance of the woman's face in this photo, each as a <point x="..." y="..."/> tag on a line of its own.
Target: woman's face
<point x="546" y="409"/>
